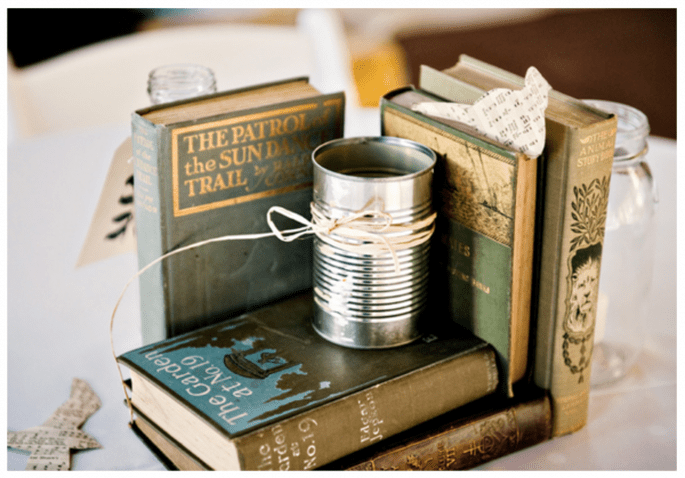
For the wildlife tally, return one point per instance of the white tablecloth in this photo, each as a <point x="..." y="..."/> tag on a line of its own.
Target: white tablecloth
<point x="58" y="318"/>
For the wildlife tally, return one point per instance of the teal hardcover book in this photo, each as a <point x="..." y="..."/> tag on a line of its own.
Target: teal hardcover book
<point x="264" y="391"/>
<point x="213" y="166"/>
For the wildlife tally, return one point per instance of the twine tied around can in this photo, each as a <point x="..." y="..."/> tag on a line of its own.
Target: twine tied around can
<point x="373" y="237"/>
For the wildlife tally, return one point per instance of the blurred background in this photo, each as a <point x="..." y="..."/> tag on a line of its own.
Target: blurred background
<point x="622" y="55"/>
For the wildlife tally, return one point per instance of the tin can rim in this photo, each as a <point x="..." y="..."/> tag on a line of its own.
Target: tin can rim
<point x="390" y="140"/>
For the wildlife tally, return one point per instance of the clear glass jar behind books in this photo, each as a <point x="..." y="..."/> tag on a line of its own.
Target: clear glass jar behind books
<point x="628" y="253"/>
<point x="177" y="82"/>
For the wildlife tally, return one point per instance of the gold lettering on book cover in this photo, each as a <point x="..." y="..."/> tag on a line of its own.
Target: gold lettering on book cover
<point x="445" y="456"/>
<point x="588" y="212"/>
<point x="370" y="430"/>
<point x="465" y="250"/>
<point x="595" y="148"/>
<point x="279" y="450"/>
<point x="494" y="437"/>
<point x="241" y="159"/>
<point x="414" y="463"/>
<point x="466" y="278"/>
<point x="572" y="405"/>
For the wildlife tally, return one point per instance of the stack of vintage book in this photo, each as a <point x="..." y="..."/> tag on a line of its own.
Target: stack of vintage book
<point x="234" y="377"/>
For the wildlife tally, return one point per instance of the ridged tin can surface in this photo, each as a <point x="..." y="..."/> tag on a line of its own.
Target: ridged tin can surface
<point x="364" y="296"/>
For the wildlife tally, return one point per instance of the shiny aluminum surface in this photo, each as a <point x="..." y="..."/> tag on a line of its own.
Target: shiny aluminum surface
<point x="361" y="300"/>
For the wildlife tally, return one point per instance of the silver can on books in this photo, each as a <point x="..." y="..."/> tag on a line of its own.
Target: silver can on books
<point x="372" y="207"/>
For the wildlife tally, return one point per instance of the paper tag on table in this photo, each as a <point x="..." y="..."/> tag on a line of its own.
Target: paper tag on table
<point x="514" y="118"/>
<point x="50" y="444"/>
<point x="112" y="230"/>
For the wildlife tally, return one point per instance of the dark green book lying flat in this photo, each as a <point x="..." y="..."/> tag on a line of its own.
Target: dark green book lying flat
<point x="264" y="391"/>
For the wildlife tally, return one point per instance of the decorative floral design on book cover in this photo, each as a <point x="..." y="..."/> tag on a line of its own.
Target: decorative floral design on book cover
<point x="588" y="211"/>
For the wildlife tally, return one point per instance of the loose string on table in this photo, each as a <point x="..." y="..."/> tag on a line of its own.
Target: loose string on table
<point x="369" y="236"/>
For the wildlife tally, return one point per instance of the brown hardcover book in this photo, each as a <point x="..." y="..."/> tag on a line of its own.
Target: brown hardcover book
<point x="213" y="166"/>
<point x="573" y="196"/>
<point x="264" y="391"/>
<point x="482" y="254"/>
<point x="464" y="438"/>
<point x="489" y="428"/>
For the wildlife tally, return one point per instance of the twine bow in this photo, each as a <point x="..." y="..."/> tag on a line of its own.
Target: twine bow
<point x="359" y="232"/>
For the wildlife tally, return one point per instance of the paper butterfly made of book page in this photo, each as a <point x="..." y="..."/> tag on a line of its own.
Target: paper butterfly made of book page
<point x="514" y="118"/>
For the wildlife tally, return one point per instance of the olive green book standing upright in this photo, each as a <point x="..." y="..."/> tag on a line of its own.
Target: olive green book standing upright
<point x="482" y="252"/>
<point x="213" y="166"/>
<point x="573" y="195"/>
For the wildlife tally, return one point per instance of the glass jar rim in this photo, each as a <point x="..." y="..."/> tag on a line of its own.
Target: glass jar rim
<point x="180" y="67"/>
<point x="632" y="128"/>
<point x="179" y="81"/>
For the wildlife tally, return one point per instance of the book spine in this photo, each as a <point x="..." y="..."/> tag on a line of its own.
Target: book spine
<point x="470" y="443"/>
<point x="576" y="197"/>
<point x="523" y="251"/>
<point x="310" y="440"/>
<point x="149" y="226"/>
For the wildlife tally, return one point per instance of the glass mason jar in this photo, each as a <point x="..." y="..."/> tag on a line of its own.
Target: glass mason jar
<point x="178" y="82"/>
<point x="628" y="253"/>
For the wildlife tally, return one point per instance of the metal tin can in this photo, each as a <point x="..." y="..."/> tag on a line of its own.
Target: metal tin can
<point x="372" y="299"/>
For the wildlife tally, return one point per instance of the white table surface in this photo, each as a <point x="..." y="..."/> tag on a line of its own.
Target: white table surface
<point x="58" y="317"/>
